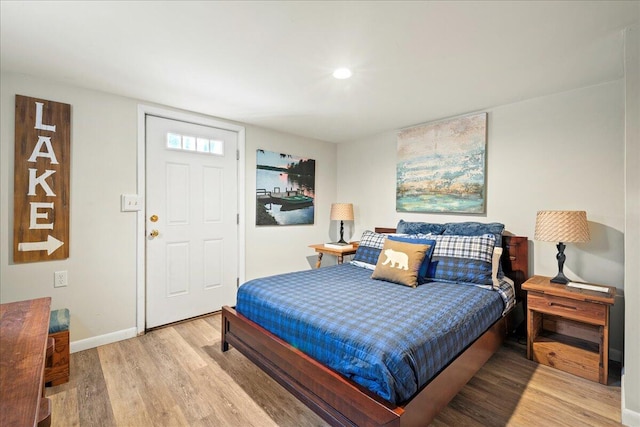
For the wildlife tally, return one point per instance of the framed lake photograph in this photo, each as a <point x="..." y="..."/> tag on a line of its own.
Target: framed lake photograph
<point x="441" y="166"/>
<point x="285" y="189"/>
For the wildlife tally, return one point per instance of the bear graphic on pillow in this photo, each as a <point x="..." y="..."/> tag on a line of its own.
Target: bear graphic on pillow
<point x="396" y="257"/>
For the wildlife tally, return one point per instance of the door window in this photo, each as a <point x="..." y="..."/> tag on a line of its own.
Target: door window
<point x="191" y="143"/>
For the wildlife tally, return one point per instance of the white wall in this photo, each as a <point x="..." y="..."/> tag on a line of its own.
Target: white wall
<point x="101" y="294"/>
<point x="279" y="249"/>
<point x="631" y="377"/>
<point x="564" y="151"/>
<point x="101" y="291"/>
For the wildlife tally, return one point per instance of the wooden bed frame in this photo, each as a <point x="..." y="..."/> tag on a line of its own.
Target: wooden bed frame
<point x="342" y="402"/>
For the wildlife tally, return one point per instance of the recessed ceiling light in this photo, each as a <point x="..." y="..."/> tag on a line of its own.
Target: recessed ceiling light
<point x="342" y="73"/>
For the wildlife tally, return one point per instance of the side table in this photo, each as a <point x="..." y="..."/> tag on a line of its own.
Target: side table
<point x="568" y="328"/>
<point x="321" y="249"/>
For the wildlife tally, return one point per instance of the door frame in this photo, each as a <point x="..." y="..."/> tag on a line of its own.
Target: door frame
<point x="141" y="248"/>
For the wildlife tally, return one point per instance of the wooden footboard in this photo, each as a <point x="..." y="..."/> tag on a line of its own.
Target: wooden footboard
<point x="342" y="402"/>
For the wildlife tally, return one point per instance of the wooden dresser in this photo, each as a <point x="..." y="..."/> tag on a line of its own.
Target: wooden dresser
<point x="24" y="329"/>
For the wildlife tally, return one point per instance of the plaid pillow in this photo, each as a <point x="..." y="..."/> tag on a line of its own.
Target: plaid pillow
<point x="369" y="250"/>
<point x="471" y="228"/>
<point x="473" y="247"/>
<point x="463" y="259"/>
<point x="475" y="229"/>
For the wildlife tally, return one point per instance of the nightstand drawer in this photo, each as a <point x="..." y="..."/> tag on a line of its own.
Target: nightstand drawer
<point x="583" y="311"/>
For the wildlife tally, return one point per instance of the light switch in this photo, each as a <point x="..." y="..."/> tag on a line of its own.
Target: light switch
<point x="130" y="203"/>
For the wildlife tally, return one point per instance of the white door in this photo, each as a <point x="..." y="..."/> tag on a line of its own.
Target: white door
<point x="192" y="220"/>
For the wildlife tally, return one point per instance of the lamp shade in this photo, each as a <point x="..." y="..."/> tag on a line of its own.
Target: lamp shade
<point x="562" y="226"/>
<point x="342" y="212"/>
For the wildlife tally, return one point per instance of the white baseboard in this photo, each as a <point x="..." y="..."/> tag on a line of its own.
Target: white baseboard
<point x="103" y="339"/>
<point x="629" y="417"/>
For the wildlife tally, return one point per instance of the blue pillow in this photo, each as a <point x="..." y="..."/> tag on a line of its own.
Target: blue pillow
<point x="405" y="227"/>
<point x="423" y="271"/>
<point x="475" y="229"/>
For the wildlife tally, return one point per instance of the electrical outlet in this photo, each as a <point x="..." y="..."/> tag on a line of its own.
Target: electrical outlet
<point x="59" y="279"/>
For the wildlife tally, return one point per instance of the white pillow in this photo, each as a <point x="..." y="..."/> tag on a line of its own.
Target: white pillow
<point x="495" y="263"/>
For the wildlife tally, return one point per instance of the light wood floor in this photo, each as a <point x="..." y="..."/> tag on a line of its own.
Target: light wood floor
<point x="177" y="376"/>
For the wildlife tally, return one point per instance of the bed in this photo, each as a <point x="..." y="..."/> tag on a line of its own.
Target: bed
<point x="343" y="398"/>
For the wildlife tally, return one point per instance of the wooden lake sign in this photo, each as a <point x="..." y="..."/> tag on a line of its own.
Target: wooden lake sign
<point x="41" y="180"/>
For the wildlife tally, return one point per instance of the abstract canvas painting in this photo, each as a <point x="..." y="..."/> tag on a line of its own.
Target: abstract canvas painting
<point x="441" y="166"/>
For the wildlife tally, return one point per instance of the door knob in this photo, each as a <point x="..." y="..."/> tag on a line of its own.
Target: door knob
<point x="154" y="233"/>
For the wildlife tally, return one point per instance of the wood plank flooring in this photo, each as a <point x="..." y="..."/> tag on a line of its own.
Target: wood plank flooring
<point x="177" y="376"/>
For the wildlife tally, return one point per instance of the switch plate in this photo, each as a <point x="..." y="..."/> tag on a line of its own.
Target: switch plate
<point x="60" y="279"/>
<point x="130" y="203"/>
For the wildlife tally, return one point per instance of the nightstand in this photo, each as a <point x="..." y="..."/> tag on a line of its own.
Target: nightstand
<point x="568" y="328"/>
<point x="321" y="249"/>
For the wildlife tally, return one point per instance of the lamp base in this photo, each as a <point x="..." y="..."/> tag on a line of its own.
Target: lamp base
<point x="560" y="278"/>
<point x="342" y="241"/>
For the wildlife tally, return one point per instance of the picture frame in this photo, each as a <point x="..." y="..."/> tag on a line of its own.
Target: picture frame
<point x="285" y="189"/>
<point x="441" y="166"/>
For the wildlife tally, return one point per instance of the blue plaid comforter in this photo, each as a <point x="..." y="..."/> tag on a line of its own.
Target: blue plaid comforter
<point x="390" y="338"/>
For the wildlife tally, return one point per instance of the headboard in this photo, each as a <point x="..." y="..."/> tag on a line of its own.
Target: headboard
<point x="515" y="261"/>
<point x="515" y="258"/>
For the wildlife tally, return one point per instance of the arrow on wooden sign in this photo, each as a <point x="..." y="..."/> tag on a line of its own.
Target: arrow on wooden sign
<point x="50" y="245"/>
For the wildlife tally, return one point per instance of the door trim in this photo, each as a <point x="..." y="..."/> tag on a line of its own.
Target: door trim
<point x="141" y="255"/>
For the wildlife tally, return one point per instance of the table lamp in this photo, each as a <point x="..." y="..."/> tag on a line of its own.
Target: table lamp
<point x="562" y="227"/>
<point x="342" y="212"/>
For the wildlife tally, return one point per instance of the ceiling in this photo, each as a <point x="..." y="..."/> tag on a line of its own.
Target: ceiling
<point x="270" y="63"/>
